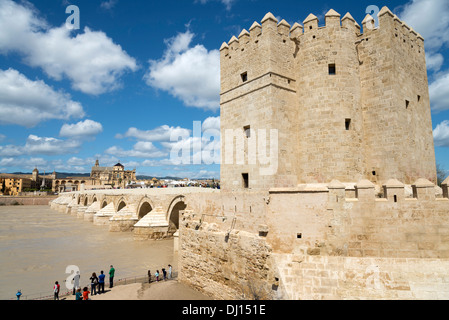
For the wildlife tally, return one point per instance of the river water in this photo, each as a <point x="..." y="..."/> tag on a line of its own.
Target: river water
<point x="38" y="244"/>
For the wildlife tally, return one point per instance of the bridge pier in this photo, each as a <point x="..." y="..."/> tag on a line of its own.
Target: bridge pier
<point x="153" y="226"/>
<point x="91" y="211"/>
<point x="80" y="212"/>
<point x="124" y="220"/>
<point x="101" y="218"/>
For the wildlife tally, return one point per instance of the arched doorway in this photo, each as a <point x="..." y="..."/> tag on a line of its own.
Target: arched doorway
<point x="145" y="208"/>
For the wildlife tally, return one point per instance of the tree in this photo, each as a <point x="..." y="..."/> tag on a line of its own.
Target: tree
<point x="441" y="174"/>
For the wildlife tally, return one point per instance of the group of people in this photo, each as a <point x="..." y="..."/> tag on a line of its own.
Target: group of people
<point x="96" y="285"/>
<point x="164" y="274"/>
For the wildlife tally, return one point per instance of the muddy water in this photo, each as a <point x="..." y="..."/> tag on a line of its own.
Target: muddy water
<point x="37" y="245"/>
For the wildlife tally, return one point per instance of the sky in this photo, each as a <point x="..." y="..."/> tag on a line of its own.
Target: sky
<point x="138" y="81"/>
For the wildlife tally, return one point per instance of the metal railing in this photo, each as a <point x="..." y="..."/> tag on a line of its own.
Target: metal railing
<point x="119" y="282"/>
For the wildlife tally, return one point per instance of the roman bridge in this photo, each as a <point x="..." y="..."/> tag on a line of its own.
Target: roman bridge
<point x="148" y="213"/>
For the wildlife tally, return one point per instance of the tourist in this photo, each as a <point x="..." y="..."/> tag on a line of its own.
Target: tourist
<point x="157" y="275"/>
<point x="86" y="293"/>
<point x="56" y="289"/>
<point x="101" y="282"/>
<point x="18" y="294"/>
<point x="76" y="281"/>
<point x="169" y="271"/>
<point x="164" y="273"/>
<point x="111" y="276"/>
<point x="149" y="276"/>
<point x="78" y="295"/>
<point x="94" y="283"/>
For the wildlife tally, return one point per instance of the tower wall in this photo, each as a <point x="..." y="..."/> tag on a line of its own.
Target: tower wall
<point x="263" y="101"/>
<point x="345" y="105"/>
<point x="395" y="102"/>
<point x="330" y="126"/>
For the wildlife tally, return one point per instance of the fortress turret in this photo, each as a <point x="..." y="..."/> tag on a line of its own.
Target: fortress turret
<point x="345" y="105"/>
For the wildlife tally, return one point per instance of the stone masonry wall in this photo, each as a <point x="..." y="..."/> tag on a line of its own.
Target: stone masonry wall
<point x="312" y="242"/>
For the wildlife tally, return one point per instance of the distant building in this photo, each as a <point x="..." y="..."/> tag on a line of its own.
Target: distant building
<point x="100" y="178"/>
<point x="115" y="176"/>
<point x="15" y="184"/>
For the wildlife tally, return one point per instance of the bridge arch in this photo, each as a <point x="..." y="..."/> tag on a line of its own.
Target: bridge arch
<point x="92" y="199"/>
<point x="86" y="200"/>
<point x="145" y="206"/>
<point x="120" y="204"/>
<point x="177" y="204"/>
<point x="103" y="204"/>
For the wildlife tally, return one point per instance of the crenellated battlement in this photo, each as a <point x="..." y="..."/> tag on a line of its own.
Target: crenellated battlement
<point x="279" y="31"/>
<point x="392" y="191"/>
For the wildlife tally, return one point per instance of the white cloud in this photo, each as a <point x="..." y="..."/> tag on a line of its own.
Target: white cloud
<point x="441" y="134"/>
<point x="11" y="151"/>
<point x="90" y="60"/>
<point x="434" y="61"/>
<point x="191" y="74"/>
<point x="142" y="149"/>
<point x="161" y="133"/>
<point x="439" y="92"/>
<point x="26" y="102"/>
<point x="211" y="123"/>
<point x="108" y="5"/>
<point x="2" y="137"/>
<point x="30" y="163"/>
<point x="177" y="142"/>
<point x="156" y="163"/>
<point x="41" y="146"/>
<point x="86" y="128"/>
<point x="50" y="146"/>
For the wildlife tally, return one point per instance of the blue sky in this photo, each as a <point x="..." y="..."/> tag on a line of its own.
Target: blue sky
<point x="138" y="72"/>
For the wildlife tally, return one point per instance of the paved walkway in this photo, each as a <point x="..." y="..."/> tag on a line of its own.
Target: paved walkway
<point x="162" y="290"/>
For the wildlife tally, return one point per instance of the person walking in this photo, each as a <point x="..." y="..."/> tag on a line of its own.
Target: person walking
<point x="76" y="282"/>
<point x="101" y="282"/>
<point x="164" y="273"/>
<point x="56" y="289"/>
<point x="169" y="271"/>
<point x="18" y="294"/>
<point x="111" y="276"/>
<point x="149" y="276"/>
<point x="94" y="283"/>
<point x="157" y="275"/>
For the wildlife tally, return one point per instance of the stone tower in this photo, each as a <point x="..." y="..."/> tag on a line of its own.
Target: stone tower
<point x="35" y="175"/>
<point x="344" y="105"/>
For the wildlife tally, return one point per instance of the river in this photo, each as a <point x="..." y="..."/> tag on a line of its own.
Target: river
<point x="37" y="244"/>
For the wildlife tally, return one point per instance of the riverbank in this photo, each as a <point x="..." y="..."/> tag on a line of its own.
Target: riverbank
<point x="38" y="244"/>
<point x="26" y="200"/>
